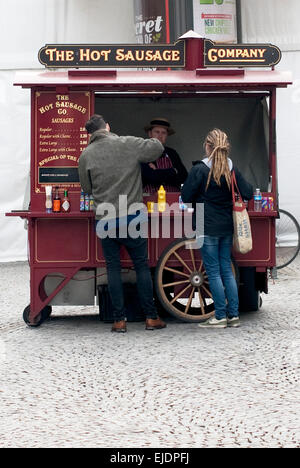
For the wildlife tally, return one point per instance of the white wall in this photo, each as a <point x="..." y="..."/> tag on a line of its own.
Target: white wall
<point x="277" y="22"/>
<point x="274" y="21"/>
<point x="26" y="26"/>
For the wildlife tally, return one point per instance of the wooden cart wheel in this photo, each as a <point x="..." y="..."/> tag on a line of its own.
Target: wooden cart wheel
<point x="43" y="315"/>
<point x="181" y="282"/>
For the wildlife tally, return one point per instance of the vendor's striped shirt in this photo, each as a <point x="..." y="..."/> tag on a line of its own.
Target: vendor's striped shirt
<point x="164" y="162"/>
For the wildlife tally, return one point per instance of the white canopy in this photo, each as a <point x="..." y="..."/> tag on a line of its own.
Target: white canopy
<point x="27" y="25"/>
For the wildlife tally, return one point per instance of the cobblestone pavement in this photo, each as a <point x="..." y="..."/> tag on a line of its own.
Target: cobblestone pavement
<point x="71" y="383"/>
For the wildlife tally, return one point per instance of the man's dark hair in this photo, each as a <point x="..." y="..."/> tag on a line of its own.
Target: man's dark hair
<point x="95" y="123"/>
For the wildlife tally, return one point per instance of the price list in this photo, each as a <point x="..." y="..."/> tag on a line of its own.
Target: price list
<point x="60" y="137"/>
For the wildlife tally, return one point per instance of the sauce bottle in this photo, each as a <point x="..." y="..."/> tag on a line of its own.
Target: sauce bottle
<point x="161" y="199"/>
<point x="48" y="203"/>
<point x="65" y="203"/>
<point x="86" y="202"/>
<point x="56" y="201"/>
<point x="82" y="200"/>
<point x="92" y="204"/>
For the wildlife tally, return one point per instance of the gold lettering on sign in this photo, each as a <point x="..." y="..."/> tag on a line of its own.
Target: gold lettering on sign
<point x="211" y="55"/>
<point x="62" y="120"/>
<point x="88" y="55"/>
<point x="46" y="108"/>
<point x="60" y="55"/>
<point x="70" y="105"/>
<point x="150" y="55"/>
<point x="261" y="52"/>
<point x="236" y="55"/>
<point x="120" y="55"/>
<point x="84" y="54"/>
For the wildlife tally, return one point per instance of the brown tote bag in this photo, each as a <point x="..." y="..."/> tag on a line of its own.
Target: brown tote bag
<point x="242" y="237"/>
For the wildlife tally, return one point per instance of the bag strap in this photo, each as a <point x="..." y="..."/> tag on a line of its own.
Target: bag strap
<point x="234" y="187"/>
<point x="237" y="205"/>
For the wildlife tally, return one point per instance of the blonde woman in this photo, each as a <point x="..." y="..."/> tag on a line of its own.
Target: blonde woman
<point x="209" y="182"/>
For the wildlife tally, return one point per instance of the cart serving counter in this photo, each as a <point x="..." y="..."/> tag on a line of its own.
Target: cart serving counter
<point x="65" y="254"/>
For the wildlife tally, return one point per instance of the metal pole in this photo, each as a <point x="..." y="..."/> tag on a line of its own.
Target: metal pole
<point x="239" y="31"/>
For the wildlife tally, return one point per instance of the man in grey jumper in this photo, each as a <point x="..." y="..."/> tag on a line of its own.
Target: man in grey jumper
<point x="110" y="168"/>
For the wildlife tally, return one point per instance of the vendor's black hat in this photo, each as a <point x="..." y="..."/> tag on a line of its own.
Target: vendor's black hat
<point x="160" y="122"/>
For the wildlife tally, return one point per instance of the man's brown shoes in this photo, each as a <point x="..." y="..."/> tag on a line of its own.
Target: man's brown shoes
<point x="151" y="324"/>
<point x="155" y="324"/>
<point x="119" y="327"/>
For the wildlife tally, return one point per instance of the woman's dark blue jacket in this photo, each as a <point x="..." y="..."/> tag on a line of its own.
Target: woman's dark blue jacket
<point x="217" y="199"/>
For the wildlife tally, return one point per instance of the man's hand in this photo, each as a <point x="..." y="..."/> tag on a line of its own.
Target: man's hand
<point x="152" y="166"/>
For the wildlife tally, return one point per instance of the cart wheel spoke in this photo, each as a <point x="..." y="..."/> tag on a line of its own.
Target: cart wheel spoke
<point x="182" y="262"/>
<point x="201" y="301"/>
<point x="190" y="300"/>
<point x="192" y="257"/>
<point x="175" y="283"/>
<point x="180" y="293"/>
<point x="207" y="291"/>
<point x="177" y="272"/>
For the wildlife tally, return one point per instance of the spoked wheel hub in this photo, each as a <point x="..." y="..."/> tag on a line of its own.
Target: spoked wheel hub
<point x="197" y="279"/>
<point x="181" y="282"/>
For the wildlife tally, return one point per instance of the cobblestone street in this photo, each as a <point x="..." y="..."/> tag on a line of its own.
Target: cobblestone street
<point x="72" y="383"/>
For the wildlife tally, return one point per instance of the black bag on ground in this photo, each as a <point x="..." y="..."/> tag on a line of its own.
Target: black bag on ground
<point x="134" y="311"/>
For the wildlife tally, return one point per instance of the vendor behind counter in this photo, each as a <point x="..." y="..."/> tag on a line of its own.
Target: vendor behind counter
<point x="168" y="170"/>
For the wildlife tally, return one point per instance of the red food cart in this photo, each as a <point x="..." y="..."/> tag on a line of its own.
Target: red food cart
<point x="202" y="86"/>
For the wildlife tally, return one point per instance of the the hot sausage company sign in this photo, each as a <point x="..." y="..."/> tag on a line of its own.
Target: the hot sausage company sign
<point x="113" y="56"/>
<point x="240" y="55"/>
<point x="156" y="55"/>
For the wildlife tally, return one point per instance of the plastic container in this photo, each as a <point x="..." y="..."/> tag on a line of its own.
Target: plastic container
<point x="48" y="203"/>
<point x="161" y="199"/>
<point x="82" y="200"/>
<point x="182" y="206"/>
<point x="86" y="202"/>
<point x="92" y="204"/>
<point x="257" y="200"/>
<point x="264" y="204"/>
<point x="271" y="203"/>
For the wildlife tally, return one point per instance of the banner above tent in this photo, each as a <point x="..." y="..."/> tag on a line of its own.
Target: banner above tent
<point x="112" y="55"/>
<point x="159" y="55"/>
<point x="240" y="55"/>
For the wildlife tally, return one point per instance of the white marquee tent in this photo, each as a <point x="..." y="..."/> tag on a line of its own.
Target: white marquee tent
<point x="276" y="22"/>
<point x="26" y="25"/>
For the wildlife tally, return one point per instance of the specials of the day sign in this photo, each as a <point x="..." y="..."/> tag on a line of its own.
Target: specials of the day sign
<point x="112" y="55"/>
<point x="60" y="136"/>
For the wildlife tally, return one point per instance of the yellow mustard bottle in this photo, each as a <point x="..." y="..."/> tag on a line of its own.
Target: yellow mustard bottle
<point x="161" y="199"/>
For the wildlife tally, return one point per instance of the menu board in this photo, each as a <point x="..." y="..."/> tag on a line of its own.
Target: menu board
<point x="60" y="137"/>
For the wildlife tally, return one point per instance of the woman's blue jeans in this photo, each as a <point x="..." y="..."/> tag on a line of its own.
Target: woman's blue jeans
<point x="216" y="254"/>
